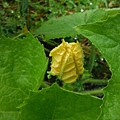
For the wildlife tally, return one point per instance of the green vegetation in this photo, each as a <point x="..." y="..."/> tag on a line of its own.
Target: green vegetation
<point x="29" y="30"/>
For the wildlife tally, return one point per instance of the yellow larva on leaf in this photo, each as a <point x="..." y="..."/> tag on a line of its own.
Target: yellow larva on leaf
<point x="67" y="61"/>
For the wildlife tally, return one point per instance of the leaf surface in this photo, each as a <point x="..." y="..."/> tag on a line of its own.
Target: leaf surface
<point x="106" y="36"/>
<point x="64" y="26"/>
<point x="22" y="67"/>
<point x="104" y="32"/>
<point x="54" y="103"/>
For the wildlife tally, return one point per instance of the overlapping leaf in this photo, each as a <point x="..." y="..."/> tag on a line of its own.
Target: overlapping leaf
<point x="22" y="67"/>
<point x="104" y="32"/>
<point x="106" y="36"/>
<point x="20" y="72"/>
<point x="55" y="103"/>
<point x="64" y="26"/>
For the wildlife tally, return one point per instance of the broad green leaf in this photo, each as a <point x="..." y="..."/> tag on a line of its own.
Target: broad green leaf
<point x="54" y="103"/>
<point x="113" y="11"/>
<point x="64" y="26"/>
<point x="22" y="67"/>
<point x="106" y="36"/>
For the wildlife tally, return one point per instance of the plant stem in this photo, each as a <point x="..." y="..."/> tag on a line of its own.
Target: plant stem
<point x="99" y="91"/>
<point x="94" y="81"/>
<point x="18" y="35"/>
<point x="67" y="87"/>
<point x="50" y="42"/>
<point x="0" y="29"/>
<point x="106" y="4"/>
<point x="47" y="50"/>
<point x="44" y="84"/>
<point x="92" y="59"/>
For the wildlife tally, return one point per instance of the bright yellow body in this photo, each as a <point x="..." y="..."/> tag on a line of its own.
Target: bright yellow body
<point x="67" y="61"/>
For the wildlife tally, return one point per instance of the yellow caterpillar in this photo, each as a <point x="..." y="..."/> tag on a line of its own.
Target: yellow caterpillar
<point x="67" y="61"/>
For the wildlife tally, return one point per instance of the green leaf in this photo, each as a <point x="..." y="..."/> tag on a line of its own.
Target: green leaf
<point x="113" y="11"/>
<point x="106" y="36"/>
<point x="54" y="103"/>
<point x="64" y="26"/>
<point x="104" y="32"/>
<point x="22" y="68"/>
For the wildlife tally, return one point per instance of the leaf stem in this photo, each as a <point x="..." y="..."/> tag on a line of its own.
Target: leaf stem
<point x="47" y="50"/>
<point x="98" y="91"/>
<point x="44" y="84"/>
<point x="92" y="59"/>
<point x="50" y="42"/>
<point x="68" y="87"/>
<point x="18" y="36"/>
<point x="94" y="81"/>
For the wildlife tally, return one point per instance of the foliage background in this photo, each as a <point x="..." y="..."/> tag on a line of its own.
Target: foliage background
<point x="14" y="14"/>
<point x="19" y="16"/>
